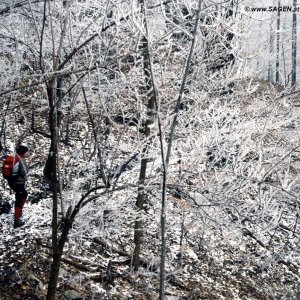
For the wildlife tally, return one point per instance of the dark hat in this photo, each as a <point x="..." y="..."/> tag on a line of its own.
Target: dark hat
<point x="21" y="149"/>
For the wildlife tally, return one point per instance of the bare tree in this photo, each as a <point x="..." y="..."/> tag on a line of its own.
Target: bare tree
<point x="294" y="47"/>
<point x="166" y="157"/>
<point x="141" y="197"/>
<point x="277" y="68"/>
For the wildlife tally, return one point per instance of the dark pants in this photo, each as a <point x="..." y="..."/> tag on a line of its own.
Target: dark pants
<point x="20" y="195"/>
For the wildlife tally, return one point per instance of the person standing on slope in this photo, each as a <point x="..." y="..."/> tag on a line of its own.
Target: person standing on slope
<point x="17" y="184"/>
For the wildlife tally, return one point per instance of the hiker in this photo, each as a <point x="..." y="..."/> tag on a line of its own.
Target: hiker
<point x="17" y="184"/>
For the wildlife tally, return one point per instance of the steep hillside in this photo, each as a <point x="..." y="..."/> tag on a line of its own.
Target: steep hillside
<point x="232" y="217"/>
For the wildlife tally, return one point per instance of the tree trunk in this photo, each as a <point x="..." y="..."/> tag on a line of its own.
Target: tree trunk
<point x="53" y="180"/>
<point x="166" y="160"/>
<point x="294" y="47"/>
<point x="271" y="53"/>
<point x="278" y="45"/>
<point x="97" y="146"/>
<point x="57" y="255"/>
<point x="54" y="275"/>
<point x="141" y="198"/>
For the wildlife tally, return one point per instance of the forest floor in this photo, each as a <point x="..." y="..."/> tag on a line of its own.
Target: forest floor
<point x="24" y="262"/>
<point x="25" y="259"/>
<point x="237" y="266"/>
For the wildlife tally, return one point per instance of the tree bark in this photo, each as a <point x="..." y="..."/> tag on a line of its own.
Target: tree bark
<point x="278" y="46"/>
<point x="166" y="160"/>
<point x="294" y="47"/>
<point x="141" y="198"/>
<point x="53" y="180"/>
<point x="271" y="52"/>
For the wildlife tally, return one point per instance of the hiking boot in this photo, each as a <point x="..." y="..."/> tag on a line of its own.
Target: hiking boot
<point x="18" y="223"/>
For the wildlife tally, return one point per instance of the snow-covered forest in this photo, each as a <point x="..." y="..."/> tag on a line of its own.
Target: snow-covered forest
<point x="164" y="149"/>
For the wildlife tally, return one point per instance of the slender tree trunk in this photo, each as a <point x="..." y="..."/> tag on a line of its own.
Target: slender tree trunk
<point x="271" y="52"/>
<point x="50" y="169"/>
<point x="57" y="255"/>
<point x="97" y="146"/>
<point x="53" y="279"/>
<point x="52" y="164"/>
<point x="54" y="91"/>
<point x="278" y="46"/>
<point x="294" y="47"/>
<point x="141" y="198"/>
<point x="166" y="160"/>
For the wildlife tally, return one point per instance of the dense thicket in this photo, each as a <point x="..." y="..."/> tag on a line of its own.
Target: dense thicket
<point x="94" y="88"/>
